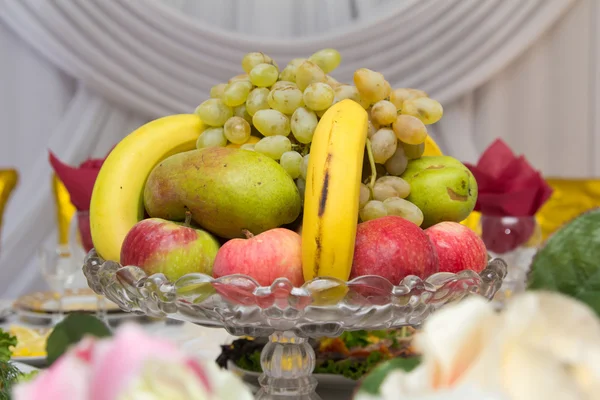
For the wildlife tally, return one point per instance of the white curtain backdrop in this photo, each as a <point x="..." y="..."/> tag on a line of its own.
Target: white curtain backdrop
<point x="76" y="76"/>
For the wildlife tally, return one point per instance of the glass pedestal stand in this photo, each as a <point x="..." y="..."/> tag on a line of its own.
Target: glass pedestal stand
<point x="287" y="362"/>
<point x="286" y="314"/>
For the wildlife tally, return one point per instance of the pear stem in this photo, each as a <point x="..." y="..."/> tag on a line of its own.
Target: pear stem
<point x="247" y="233"/>
<point x="371" y="184"/>
<point x="188" y="219"/>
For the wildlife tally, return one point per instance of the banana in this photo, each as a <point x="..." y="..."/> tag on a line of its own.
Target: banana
<point x="332" y="191"/>
<point x="117" y="198"/>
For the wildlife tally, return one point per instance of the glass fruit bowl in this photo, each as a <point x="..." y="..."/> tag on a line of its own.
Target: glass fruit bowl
<point x="288" y="314"/>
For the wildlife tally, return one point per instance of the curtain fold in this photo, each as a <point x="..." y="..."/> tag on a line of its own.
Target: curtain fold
<point x="155" y="60"/>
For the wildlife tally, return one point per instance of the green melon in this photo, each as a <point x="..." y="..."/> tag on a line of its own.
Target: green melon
<point x="569" y="263"/>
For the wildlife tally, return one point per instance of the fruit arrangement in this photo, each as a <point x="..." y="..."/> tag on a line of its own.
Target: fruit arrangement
<point x="289" y="173"/>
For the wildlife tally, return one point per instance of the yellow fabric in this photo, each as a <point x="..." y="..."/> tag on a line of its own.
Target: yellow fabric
<point x="570" y="198"/>
<point x="64" y="209"/>
<point x="8" y="181"/>
<point x="431" y="148"/>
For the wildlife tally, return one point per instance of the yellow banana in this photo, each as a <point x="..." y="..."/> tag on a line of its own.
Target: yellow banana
<point x="332" y="191"/>
<point x="117" y="199"/>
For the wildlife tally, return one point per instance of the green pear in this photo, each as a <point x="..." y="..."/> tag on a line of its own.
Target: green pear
<point x="442" y="187"/>
<point x="226" y="190"/>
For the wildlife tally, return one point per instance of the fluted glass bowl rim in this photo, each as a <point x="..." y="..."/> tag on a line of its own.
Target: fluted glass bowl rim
<point x="242" y="306"/>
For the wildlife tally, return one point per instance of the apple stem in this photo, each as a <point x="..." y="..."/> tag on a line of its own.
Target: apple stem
<point x="247" y="233"/>
<point x="371" y="184"/>
<point x="188" y="219"/>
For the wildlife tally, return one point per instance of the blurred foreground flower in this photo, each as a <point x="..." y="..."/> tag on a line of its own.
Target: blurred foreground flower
<point x="131" y="366"/>
<point x="542" y="346"/>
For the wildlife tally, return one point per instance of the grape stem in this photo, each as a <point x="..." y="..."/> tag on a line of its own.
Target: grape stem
<point x="371" y="184"/>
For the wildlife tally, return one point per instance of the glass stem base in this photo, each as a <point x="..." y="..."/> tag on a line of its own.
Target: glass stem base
<point x="287" y="362"/>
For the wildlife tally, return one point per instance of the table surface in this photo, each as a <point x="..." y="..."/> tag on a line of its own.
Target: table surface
<point x="197" y="341"/>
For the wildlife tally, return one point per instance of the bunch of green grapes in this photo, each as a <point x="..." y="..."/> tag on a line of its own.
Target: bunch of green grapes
<point x="271" y="111"/>
<point x="275" y="112"/>
<point x="397" y="134"/>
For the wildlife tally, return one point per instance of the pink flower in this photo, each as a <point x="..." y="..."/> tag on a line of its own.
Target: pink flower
<point x="132" y="365"/>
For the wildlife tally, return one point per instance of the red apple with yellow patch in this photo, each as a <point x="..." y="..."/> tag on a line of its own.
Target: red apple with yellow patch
<point x="273" y="254"/>
<point x="393" y="247"/>
<point x="458" y="247"/>
<point x="174" y="249"/>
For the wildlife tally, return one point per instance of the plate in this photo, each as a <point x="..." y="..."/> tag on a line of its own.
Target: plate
<point x="329" y="381"/>
<point x="38" y="361"/>
<point x="74" y="300"/>
<point x="24" y="368"/>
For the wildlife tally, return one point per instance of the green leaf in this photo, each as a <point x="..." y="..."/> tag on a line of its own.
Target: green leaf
<point x="355" y="338"/>
<point x="372" y="382"/>
<point x="6" y="342"/>
<point x="70" y="331"/>
<point x="8" y="377"/>
<point x="570" y="261"/>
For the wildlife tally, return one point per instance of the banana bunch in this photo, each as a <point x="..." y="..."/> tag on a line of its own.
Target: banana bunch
<point x="117" y="199"/>
<point x="332" y="191"/>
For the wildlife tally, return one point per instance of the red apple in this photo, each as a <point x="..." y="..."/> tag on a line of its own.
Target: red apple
<point x="393" y="247"/>
<point x="174" y="249"/>
<point x="273" y="254"/>
<point x="458" y="247"/>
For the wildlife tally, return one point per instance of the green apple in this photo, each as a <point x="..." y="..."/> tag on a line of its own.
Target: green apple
<point x="442" y="187"/>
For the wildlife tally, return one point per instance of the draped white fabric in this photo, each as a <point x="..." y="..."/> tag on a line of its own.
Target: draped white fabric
<point x="79" y="75"/>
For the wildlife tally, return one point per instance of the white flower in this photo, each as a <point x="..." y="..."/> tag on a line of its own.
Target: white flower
<point x="543" y="346"/>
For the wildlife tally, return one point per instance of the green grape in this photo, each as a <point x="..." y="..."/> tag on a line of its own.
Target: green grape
<point x="236" y="93"/>
<point x="413" y="151"/>
<point x="240" y="111"/>
<point x="383" y="113"/>
<point x="308" y="72"/>
<point x="301" y="185"/>
<point x="409" y="129"/>
<point x="303" y="124"/>
<point x="404" y="208"/>
<point x="257" y="100"/>
<point x="372" y="210"/>
<point x="346" y="92"/>
<point x="288" y="74"/>
<point x="251" y="60"/>
<point x="396" y="164"/>
<point x="371" y="85"/>
<point x="331" y="81"/>
<point x="384" y="145"/>
<point x="273" y="146"/>
<point x="291" y="161"/>
<point x="216" y="92"/>
<point x="240" y="78"/>
<point x="320" y="113"/>
<point x="390" y="186"/>
<point x="264" y="75"/>
<point x="400" y="95"/>
<point x="214" y="112"/>
<point x="327" y="59"/>
<point x="285" y="99"/>
<point x="318" y="96"/>
<point x="429" y="111"/>
<point x="247" y="146"/>
<point x="296" y="62"/>
<point x="304" y="168"/>
<point x="237" y="130"/>
<point x="370" y="129"/>
<point x="283" y="84"/>
<point x="211" y="137"/>
<point x="365" y="196"/>
<point x="271" y="122"/>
